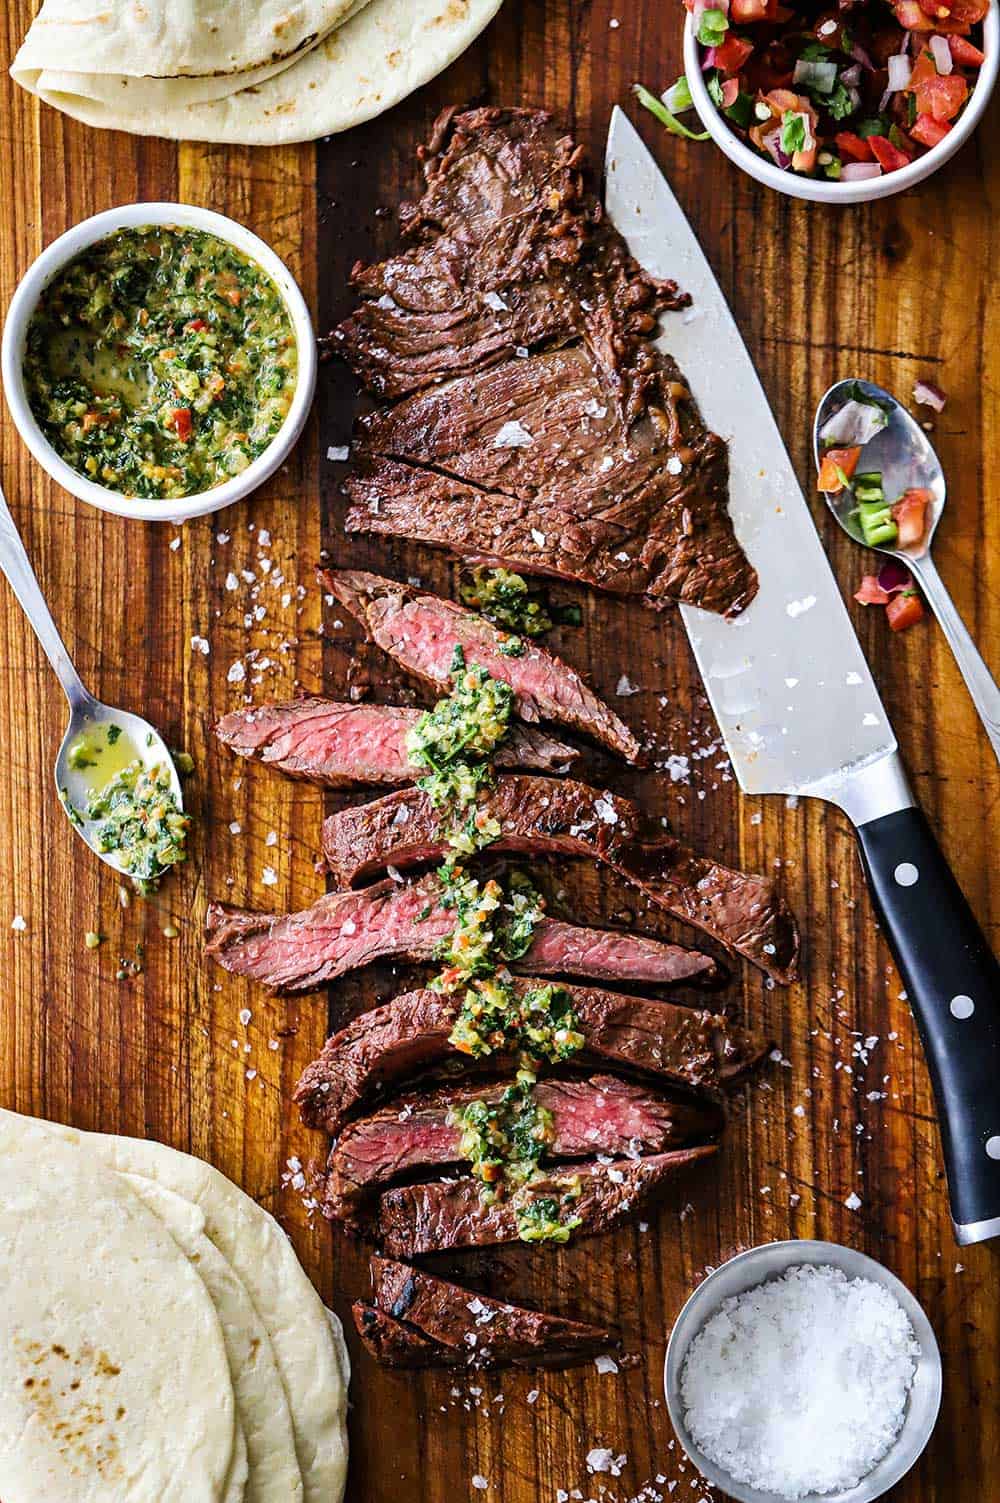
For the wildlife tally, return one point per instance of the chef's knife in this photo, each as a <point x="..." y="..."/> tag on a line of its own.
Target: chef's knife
<point x="797" y="706"/>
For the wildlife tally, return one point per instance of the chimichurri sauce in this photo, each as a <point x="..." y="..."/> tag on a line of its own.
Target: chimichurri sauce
<point x="161" y="362"/>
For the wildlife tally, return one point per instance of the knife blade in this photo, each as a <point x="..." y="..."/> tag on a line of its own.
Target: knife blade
<point x="796" y="702"/>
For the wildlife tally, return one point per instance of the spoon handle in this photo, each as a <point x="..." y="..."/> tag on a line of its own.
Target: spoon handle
<point x="16" y="565"/>
<point x="979" y="681"/>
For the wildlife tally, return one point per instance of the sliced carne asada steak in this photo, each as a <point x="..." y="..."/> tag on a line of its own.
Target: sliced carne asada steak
<point x="562" y="441"/>
<point x="421" y="632"/>
<point x="524" y="257"/>
<point x="530" y="465"/>
<point x="417" y="1219"/>
<point x="343" y="931"/>
<point x="477" y="1331"/>
<point x="341" y="745"/>
<point x="394" y="1344"/>
<point x="542" y="816"/>
<point x="600" y="1115"/>
<point x="677" y="1045"/>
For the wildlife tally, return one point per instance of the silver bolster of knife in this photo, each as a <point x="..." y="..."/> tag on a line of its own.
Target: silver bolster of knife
<point x="869" y="791"/>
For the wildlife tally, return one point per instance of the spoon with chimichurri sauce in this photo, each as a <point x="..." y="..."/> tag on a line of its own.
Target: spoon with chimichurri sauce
<point x="114" y="775"/>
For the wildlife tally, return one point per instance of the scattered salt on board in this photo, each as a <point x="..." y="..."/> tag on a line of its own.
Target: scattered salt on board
<point x="800" y="1385"/>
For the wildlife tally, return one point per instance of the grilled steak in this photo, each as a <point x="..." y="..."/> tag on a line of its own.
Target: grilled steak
<point x="394" y="1344"/>
<point x="417" y="1219"/>
<point x="470" y="1330"/>
<point x="541" y="816"/>
<point x="524" y="258"/>
<point x="339" y="745"/>
<point x="678" y="1045"/>
<point x="421" y="633"/>
<point x="343" y="931"/>
<point x="601" y="1115"/>
<point x="561" y="440"/>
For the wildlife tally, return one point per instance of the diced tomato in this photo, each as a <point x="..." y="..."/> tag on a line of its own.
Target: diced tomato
<point x="924" y="67"/>
<point x="968" y="12"/>
<point x="911" y="17"/>
<point x="743" y="12"/>
<point x="234" y="296"/>
<point x="910" y="516"/>
<point x="965" y="54"/>
<point x="889" y="157"/>
<point x="854" y="148"/>
<point x="180" y="420"/>
<point x="938" y="10"/>
<point x="871" y="592"/>
<point x="196" y="325"/>
<point x="731" y="54"/>
<point x="905" y="610"/>
<point x="833" y="460"/>
<point x="929" y="131"/>
<point x="942" y="96"/>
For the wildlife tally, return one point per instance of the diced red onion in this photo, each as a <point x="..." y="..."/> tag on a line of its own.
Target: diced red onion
<point x="861" y="56"/>
<point x="856" y="423"/>
<point x="817" y="72"/>
<point x="708" y="59"/>
<point x="851" y="76"/>
<point x="857" y="172"/>
<point x="900" y="69"/>
<point x="943" y="60"/>
<point x="929" y="395"/>
<point x="730" y="92"/>
<point x="904" y="45"/>
<point x="894" y="576"/>
<point x="772" y="144"/>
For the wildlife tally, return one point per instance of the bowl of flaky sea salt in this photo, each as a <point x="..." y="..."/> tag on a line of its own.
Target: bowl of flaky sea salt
<point x="803" y="1371"/>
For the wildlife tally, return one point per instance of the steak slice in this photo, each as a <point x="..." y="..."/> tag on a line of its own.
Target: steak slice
<point x="340" y="745"/>
<point x="514" y="252"/>
<point x="395" y="1344"/>
<point x="421" y="632"/>
<point x="601" y="1115"/>
<point x="533" y="465"/>
<point x="568" y="818"/>
<point x="417" y="1219"/>
<point x="683" y="1046"/>
<point x="343" y="931"/>
<point x="476" y="1331"/>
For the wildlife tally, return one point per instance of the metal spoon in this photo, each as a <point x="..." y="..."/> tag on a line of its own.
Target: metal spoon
<point x="87" y="714"/>
<point x="904" y="455"/>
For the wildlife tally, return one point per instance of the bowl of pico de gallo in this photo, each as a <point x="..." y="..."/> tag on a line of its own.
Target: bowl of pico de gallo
<point x="837" y="103"/>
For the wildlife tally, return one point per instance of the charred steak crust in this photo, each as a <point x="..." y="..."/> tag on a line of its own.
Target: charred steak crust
<point x="540" y="816"/>
<point x="394" y="1344"/>
<point x="523" y="300"/>
<point x="599" y="1115"/>
<point x="420" y="631"/>
<point x="677" y="1045"/>
<point x="343" y="931"/>
<point x="341" y="745"/>
<point x="416" y="1219"/>
<point x="475" y="1330"/>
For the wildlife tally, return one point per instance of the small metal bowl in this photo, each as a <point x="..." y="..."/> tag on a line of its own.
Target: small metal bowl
<point x="746" y="1271"/>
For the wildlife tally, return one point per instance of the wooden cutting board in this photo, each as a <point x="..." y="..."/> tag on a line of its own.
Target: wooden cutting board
<point x="186" y="1054"/>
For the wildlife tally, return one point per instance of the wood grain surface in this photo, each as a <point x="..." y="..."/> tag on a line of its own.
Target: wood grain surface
<point x="199" y="1060"/>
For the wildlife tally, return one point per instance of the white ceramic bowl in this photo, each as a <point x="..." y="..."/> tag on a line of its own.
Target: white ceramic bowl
<point x="51" y="262"/>
<point x="820" y="190"/>
<point x="769" y="1261"/>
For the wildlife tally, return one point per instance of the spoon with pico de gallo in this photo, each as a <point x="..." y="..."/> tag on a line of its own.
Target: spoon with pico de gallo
<point x="884" y="484"/>
<point x="841" y="92"/>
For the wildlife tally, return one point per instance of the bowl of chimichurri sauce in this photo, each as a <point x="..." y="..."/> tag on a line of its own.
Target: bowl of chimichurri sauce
<point x="159" y="361"/>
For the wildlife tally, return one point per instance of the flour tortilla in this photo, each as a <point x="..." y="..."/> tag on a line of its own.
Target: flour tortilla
<point x="171" y="38"/>
<point x="114" y="1382"/>
<point x="307" y="1342"/>
<point x="271" y="1469"/>
<point x="357" y="71"/>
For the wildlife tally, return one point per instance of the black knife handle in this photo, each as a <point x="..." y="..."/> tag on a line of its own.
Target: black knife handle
<point x="953" y="983"/>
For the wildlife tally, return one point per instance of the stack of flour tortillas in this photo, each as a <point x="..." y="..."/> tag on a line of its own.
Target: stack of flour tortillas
<point x="159" y="1340"/>
<point x="255" y="72"/>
